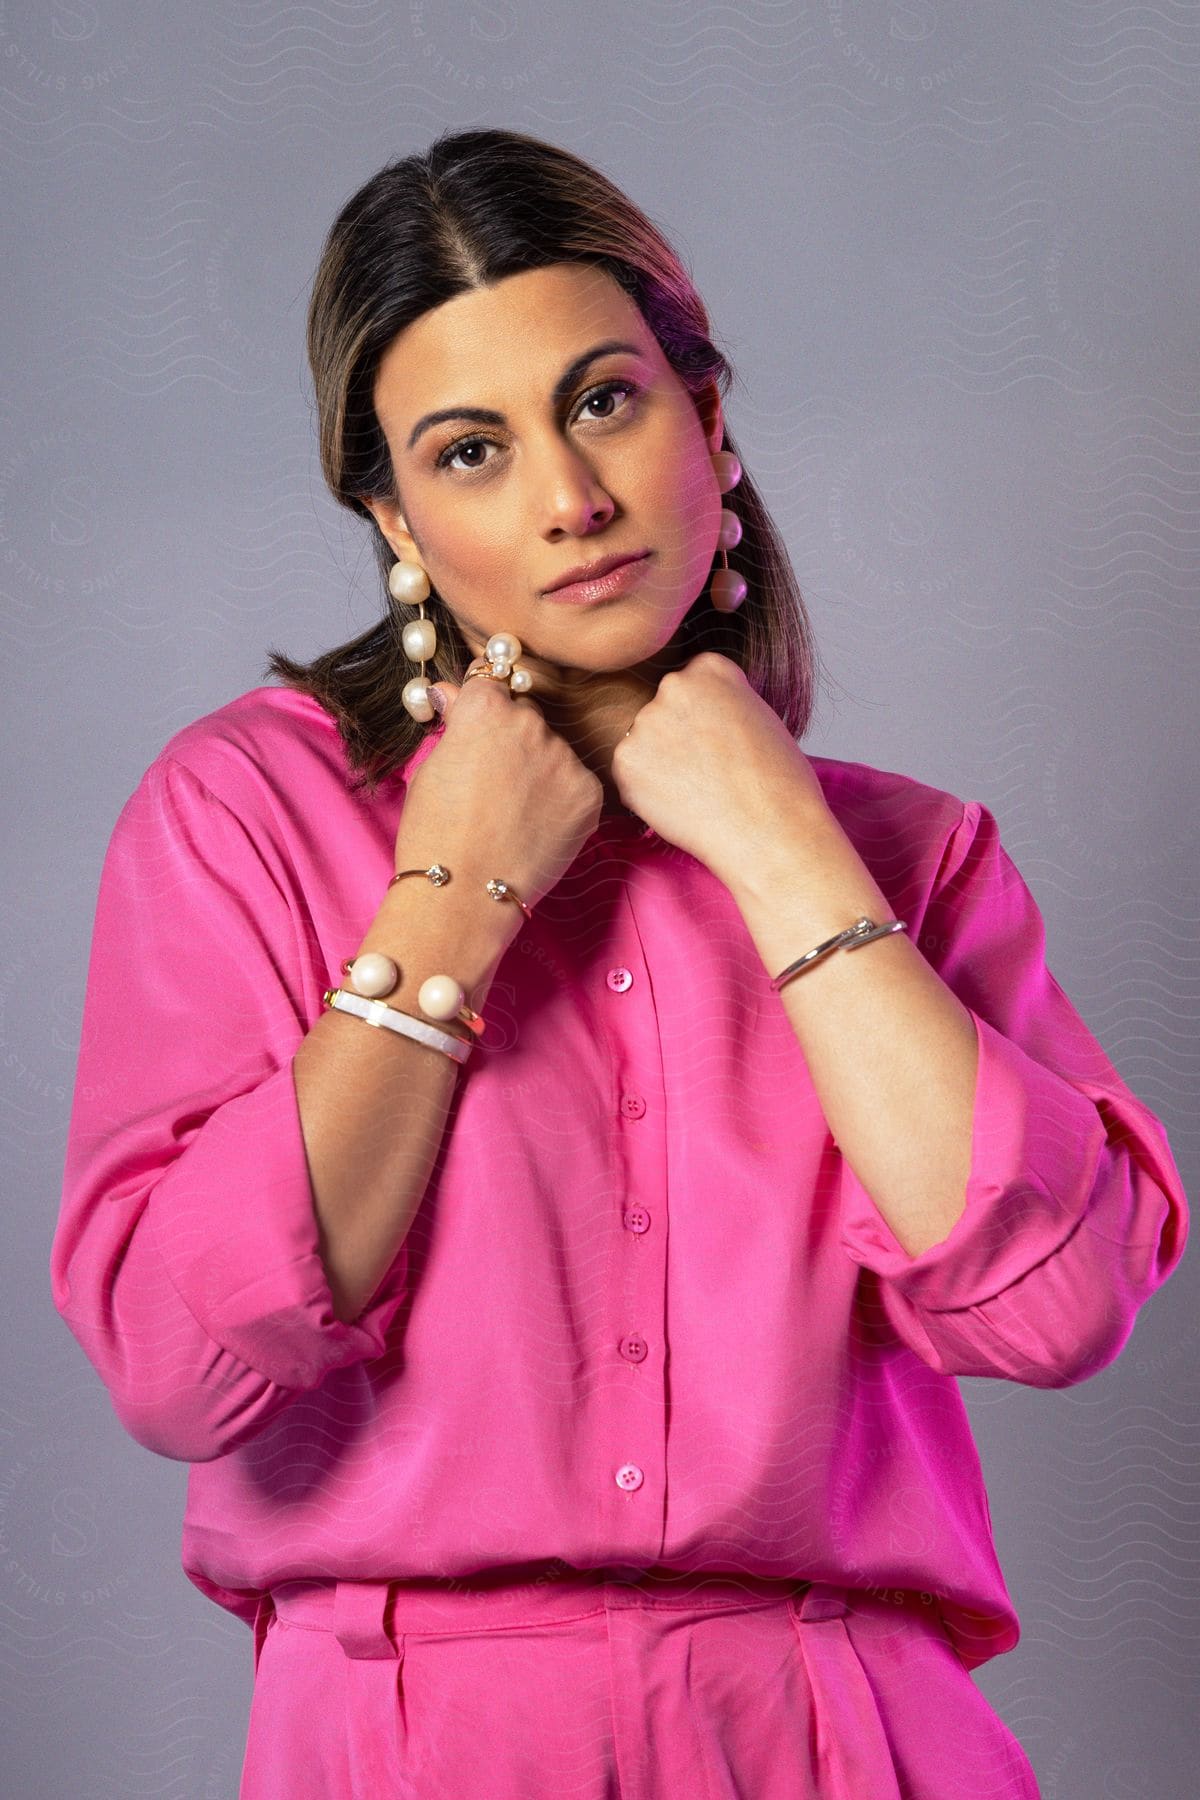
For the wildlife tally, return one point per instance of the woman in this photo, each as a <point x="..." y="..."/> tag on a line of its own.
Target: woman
<point x="565" y="1362"/>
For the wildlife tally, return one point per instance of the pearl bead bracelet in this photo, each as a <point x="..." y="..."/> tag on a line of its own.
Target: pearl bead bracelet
<point x="440" y="997"/>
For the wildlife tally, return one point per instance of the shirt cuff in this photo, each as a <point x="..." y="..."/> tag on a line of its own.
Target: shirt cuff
<point x="1036" y="1143"/>
<point x="234" y="1223"/>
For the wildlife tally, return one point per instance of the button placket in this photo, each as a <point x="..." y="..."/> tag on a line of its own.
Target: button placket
<point x="635" y="1408"/>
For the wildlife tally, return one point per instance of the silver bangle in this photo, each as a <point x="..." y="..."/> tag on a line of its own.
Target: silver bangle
<point x="863" y="931"/>
<point x="378" y="1012"/>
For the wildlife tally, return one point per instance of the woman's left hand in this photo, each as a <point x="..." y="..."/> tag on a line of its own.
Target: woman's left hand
<point x="712" y="769"/>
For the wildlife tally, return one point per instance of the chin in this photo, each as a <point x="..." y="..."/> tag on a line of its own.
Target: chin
<point x="607" y="654"/>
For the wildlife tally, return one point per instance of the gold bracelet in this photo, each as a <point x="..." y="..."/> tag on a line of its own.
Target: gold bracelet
<point x="373" y="975"/>
<point x="440" y="875"/>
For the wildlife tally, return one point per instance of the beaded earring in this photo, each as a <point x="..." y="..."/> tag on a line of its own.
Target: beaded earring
<point x="408" y="583"/>
<point x="728" y="589"/>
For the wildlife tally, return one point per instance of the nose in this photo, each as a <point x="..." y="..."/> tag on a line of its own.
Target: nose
<point x="574" y="501"/>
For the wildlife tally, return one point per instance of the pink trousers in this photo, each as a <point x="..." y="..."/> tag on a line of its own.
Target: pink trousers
<point x="583" y="1685"/>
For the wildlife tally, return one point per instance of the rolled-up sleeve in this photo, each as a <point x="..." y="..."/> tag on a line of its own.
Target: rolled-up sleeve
<point x="186" y="1258"/>
<point x="1075" y="1211"/>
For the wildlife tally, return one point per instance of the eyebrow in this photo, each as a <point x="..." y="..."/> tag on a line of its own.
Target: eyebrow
<point x="481" y="415"/>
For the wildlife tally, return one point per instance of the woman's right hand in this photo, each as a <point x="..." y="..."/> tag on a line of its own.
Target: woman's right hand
<point x="501" y="794"/>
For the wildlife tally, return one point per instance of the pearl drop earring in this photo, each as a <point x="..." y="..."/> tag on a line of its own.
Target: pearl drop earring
<point x="408" y="583"/>
<point x="728" y="588"/>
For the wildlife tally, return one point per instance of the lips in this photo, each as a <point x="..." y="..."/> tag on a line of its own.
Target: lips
<point x="593" y="571"/>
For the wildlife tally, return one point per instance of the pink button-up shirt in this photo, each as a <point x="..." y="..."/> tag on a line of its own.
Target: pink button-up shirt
<point x="646" y="1315"/>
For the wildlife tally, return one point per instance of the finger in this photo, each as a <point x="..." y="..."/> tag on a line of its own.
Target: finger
<point x="445" y="695"/>
<point x="448" y="693"/>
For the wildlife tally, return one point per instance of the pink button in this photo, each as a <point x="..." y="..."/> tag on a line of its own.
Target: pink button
<point x="636" y="1219"/>
<point x="634" y="1349"/>
<point x="629" y="1476"/>
<point x="618" y="980"/>
<point x="632" y="1106"/>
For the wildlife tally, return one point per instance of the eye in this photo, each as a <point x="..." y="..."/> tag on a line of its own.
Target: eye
<point x="454" y="450"/>
<point x="460" y="446"/>
<point x="606" y="389"/>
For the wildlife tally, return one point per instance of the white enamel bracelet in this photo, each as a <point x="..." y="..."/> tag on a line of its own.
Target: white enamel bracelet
<point x="377" y="1012"/>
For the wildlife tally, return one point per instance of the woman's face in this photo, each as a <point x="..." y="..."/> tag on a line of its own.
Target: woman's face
<point x="618" y="461"/>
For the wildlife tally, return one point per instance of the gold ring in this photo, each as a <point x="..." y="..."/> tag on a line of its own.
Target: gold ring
<point x="480" y="666"/>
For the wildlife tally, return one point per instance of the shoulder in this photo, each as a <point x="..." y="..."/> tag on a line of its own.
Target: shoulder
<point x="885" y="812"/>
<point x="266" y="747"/>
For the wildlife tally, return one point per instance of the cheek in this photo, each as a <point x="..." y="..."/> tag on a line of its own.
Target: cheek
<point x="694" y="503"/>
<point x="696" y="498"/>
<point x="462" y="551"/>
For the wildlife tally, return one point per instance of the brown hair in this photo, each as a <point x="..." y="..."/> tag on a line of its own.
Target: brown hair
<point x="475" y="207"/>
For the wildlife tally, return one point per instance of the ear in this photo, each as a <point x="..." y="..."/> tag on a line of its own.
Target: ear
<point x="390" y="520"/>
<point x="708" y="406"/>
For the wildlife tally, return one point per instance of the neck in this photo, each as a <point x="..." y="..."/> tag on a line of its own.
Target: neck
<point x="593" y="710"/>
<point x="594" y="717"/>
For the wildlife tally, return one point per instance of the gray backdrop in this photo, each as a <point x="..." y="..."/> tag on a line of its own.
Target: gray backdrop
<point x="951" y="251"/>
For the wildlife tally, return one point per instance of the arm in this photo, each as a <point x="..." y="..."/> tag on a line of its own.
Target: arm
<point x="890" y="1049"/>
<point x="187" y="1259"/>
<point x="1073" y="1212"/>
<point x="373" y="1106"/>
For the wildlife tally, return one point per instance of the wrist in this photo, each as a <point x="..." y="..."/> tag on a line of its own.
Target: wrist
<point x="802" y="890"/>
<point x="457" y="930"/>
<point x="810" y="854"/>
